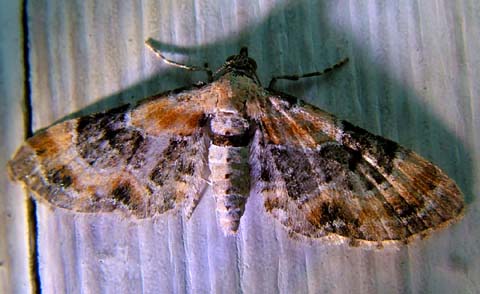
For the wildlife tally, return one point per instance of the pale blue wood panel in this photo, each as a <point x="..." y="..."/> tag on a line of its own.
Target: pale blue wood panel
<point x="16" y="252"/>
<point x="411" y="77"/>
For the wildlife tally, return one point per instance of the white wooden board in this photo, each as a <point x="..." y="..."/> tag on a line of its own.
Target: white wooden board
<point x="411" y="77"/>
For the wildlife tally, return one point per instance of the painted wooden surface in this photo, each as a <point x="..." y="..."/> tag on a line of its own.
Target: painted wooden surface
<point x="411" y="77"/>
<point x="15" y="234"/>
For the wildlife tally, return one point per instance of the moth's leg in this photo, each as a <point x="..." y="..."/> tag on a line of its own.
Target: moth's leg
<point x="312" y="74"/>
<point x="151" y="44"/>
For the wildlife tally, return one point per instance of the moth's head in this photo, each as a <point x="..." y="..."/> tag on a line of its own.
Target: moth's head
<point x="240" y="64"/>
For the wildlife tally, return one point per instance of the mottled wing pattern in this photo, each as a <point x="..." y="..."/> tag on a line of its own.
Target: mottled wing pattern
<point x="321" y="176"/>
<point x="125" y="159"/>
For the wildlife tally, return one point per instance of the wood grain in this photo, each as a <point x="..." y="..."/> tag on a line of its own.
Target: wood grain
<point x="15" y="248"/>
<point x="411" y="77"/>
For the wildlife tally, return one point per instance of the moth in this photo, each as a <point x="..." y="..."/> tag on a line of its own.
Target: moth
<point x="317" y="175"/>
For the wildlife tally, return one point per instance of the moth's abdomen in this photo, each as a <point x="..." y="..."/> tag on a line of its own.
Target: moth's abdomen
<point x="228" y="162"/>
<point x="230" y="177"/>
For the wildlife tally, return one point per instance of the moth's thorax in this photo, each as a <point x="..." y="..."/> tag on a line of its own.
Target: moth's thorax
<point x="231" y="92"/>
<point x="228" y="109"/>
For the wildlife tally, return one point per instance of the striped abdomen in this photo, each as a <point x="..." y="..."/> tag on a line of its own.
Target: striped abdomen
<point x="228" y="162"/>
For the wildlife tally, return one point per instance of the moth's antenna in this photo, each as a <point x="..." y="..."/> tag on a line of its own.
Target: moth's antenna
<point x="150" y="43"/>
<point x="312" y="74"/>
